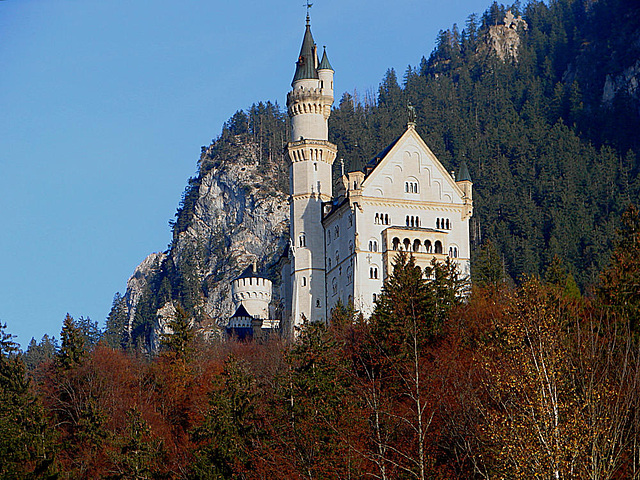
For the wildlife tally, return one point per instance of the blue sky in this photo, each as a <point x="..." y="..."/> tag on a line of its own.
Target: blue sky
<point x="104" y="106"/>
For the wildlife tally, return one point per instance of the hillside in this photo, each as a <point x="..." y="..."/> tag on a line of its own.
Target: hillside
<point x="543" y="104"/>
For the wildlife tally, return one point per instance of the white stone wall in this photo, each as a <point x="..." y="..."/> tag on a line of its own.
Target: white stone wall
<point x="254" y="293"/>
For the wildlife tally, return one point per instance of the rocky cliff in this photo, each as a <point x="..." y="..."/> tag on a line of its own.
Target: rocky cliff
<point x="236" y="212"/>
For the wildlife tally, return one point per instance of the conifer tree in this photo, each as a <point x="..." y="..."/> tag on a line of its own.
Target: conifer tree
<point x="26" y="441"/>
<point x="72" y="350"/>
<point x="116" y="331"/>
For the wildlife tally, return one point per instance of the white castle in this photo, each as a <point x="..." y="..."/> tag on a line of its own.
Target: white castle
<point x="343" y="244"/>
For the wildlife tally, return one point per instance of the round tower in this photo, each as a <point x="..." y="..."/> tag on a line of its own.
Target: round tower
<point x="310" y="176"/>
<point x="253" y="292"/>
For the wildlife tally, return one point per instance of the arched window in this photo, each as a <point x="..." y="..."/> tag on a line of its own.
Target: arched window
<point x="451" y="252"/>
<point x="406" y="187"/>
<point x="438" y="223"/>
<point x="334" y="286"/>
<point x="302" y="240"/>
<point x="350" y="247"/>
<point x="337" y="231"/>
<point x="386" y="219"/>
<point x="455" y="252"/>
<point x="315" y="166"/>
<point x="337" y="257"/>
<point x="377" y="219"/>
<point x="416" y="245"/>
<point x="396" y="243"/>
<point x="448" y="228"/>
<point x="427" y="246"/>
<point x="304" y="281"/>
<point x="374" y="246"/>
<point x="407" y="244"/>
<point x="329" y="263"/>
<point x="417" y="221"/>
<point x="318" y="303"/>
<point x="407" y="221"/>
<point x="375" y="297"/>
<point x="412" y="221"/>
<point x="438" y="247"/>
<point x="373" y="273"/>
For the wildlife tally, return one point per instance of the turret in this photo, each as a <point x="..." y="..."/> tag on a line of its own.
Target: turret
<point x="252" y="291"/>
<point x="466" y="185"/>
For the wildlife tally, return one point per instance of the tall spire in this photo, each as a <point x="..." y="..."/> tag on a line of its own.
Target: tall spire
<point x="308" y="58"/>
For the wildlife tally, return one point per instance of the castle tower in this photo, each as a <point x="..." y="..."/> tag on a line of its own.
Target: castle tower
<point x="310" y="178"/>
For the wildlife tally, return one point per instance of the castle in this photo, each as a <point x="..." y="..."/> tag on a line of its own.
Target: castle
<point x="343" y="243"/>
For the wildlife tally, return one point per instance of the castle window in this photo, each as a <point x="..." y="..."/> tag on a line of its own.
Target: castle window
<point x="375" y="297"/>
<point x="350" y="247"/>
<point x="337" y="231"/>
<point x="407" y="221"/>
<point x="317" y="303"/>
<point x="304" y="281"/>
<point x="337" y="257"/>
<point x="438" y="247"/>
<point x="438" y="223"/>
<point x="416" y="245"/>
<point x="373" y="273"/>
<point x="329" y="262"/>
<point x="334" y="286"/>
<point x="448" y="227"/>
<point x="351" y="220"/>
<point x="427" y="246"/>
<point x="396" y="243"/>
<point x="386" y="219"/>
<point x="349" y="275"/>
<point x="377" y="219"/>
<point x="406" y="187"/>
<point x="373" y="246"/>
<point x="407" y="244"/>
<point x="315" y="167"/>
<point x="302" y="240"/>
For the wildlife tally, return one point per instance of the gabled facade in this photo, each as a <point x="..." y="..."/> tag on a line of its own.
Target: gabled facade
<point x="343" y="246"/>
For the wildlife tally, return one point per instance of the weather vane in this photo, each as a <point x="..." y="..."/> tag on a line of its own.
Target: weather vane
<point x="308" y="5"/>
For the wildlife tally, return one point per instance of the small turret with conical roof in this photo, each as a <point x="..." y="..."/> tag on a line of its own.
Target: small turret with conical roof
<point x="466" y="185"/>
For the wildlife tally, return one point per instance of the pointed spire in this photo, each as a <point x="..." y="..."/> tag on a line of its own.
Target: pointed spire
<point x="463" y="175"/>
<point x="307" y="61"/>
<point x="324" y="64"/>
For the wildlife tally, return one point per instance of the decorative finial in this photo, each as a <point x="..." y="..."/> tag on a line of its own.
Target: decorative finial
<point x="412" y="115"/>
<point x="308" y="5"/>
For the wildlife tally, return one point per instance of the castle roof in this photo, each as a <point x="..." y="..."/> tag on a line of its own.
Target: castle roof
<point x="324" y="63"/>
<point x="241" y="312"/>
<point x="249" y="272"/>
<point x="463" y="175"/>
<point x="307" y="61"/>
<point x="373" y="163"/>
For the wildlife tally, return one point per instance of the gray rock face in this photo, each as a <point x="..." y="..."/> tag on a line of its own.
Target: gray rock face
<point x="240" y="216"/>
<point x="505" y="39"/>
<point x="628" y="81"/>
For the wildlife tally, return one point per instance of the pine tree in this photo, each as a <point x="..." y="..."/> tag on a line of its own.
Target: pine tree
<point x="116" y="328"/>
<point x="72" y="350"/>
<point x="26" y="441"/>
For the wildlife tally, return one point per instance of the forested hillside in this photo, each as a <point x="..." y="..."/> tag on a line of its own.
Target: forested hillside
<point x="543" y="104"/>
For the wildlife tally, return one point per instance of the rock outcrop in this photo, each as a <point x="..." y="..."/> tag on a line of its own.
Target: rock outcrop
<point x="505" y="39"/>
<point x="240" y="215"/>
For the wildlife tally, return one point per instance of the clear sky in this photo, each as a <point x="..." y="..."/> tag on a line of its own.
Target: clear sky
<point x="104" y="106"/>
